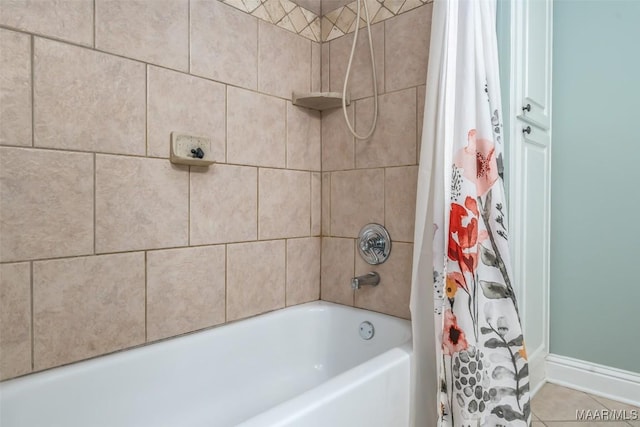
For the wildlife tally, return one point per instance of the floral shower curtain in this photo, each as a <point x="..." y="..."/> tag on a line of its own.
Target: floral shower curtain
<point x="475" y="372"/>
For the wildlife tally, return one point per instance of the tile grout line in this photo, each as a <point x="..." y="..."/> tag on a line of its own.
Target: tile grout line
<point x="146" y="109"/>
<point x="139" y="61"/>
<point x="188" y="36"/>
<point x="310" y="67"/>
<point x="94" y="24"/>
<point x="257" y="21"/>
<point x="328" y="68"/>
<point x="164" y="248"/>
<point x="286" y="135"/>
<point x="142" y="157"/>
<point x="354" y="140"/>
<point x="384" y="57"/>
<point x="384" y="197"/>
<point x="418" y="124"/>
<point x="32" y="46"/>
<point x="226" y="123"/>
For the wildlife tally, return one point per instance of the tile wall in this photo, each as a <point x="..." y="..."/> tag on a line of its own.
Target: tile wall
<point x="374" y="180"/>
<point x="105" y="245"/>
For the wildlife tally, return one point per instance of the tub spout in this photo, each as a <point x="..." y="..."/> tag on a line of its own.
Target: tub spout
<point x="371" y="278"/>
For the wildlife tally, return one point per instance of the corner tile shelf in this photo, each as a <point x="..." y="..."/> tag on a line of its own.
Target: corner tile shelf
<point x="319" y="100"/>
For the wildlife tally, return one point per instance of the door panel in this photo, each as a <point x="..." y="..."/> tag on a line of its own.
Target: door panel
<point x="536" y="55"/>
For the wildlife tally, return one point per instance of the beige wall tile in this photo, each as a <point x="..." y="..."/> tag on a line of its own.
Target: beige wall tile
<point x="312" y="5"/>
<point x="394" y="141"/>
<point x="316" y="65"/>
<point x="70" y="20"/>
<point x="255" y="278"/>
<point x="391" y="296"/>
<point x="284" y="204"/>
<point x="337" y="270"/>
<point x="224" y="43"/>
<point x="87" y="100"/>
<point x="50" y="213"/>
<point x="337" y="141"/>
<point x="421" y="92"/>
<point x="256" y="133"/>
<point x="152" y="31"/>
<point x="87" y="306"/>
<point x="15" y="88"/>
<point x="407" y="48"/>
<point x="185" y="290"/>
<point x="324" y="67"/>
<point x="326" y="204"/>
<point x="316" y="204"/>
<point x="224" y="204"/>
<point x="284" y="61"/>
<point x="303" y="270"/>
<point x="329" y="5"/>
<point x="182" y="103"/>
<point x="303" y="138"/>
<point x="15" y="319"/>
<point x="357" y="198"/>
<point x="140" y="204"/>
<point x="360" y="79"/>
<point x="400" y="186"/>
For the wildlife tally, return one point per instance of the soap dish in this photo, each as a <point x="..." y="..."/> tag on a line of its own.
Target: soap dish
<point x="190" y="150"/>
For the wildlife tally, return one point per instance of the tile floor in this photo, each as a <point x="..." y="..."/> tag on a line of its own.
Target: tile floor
<point x="555" y="406"/>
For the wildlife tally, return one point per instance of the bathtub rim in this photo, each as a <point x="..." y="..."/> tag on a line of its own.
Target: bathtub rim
<point x="310" y="305"/>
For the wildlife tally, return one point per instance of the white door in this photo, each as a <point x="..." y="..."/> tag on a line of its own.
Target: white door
<point x="530" y="173"/>
<point x="536" y="61"/>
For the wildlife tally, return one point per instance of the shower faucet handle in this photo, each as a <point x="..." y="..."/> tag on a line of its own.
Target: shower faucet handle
<point x="374" y="244"/>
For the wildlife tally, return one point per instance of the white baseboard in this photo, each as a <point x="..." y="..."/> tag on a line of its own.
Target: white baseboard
<point x="600" y="380"/>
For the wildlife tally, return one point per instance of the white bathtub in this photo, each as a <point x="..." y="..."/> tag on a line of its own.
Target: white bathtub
<point x="300" y="366"/>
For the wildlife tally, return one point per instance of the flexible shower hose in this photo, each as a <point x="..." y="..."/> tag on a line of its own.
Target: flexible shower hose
<point x="373" y="75"/>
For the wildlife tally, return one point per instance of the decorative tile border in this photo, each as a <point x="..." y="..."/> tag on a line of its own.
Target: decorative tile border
<point x="283" y="13"/>
<point x="338" y="22"/>
<point x="342" y="20"/>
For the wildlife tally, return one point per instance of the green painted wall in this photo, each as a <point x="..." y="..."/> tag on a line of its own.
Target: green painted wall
<point x="595" y="204"/>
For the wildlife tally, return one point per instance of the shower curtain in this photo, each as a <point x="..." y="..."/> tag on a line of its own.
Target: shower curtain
<point x="475" y="371"/>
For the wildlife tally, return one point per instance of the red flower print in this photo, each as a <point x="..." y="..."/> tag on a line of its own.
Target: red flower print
<point x="468" y="261"/>
<point x="463" y="235"/>
<point x="471" y="204"/>
<point x="478" y="161"/>
<point x="453" y="338"/>
<point x="467" y="234"/>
